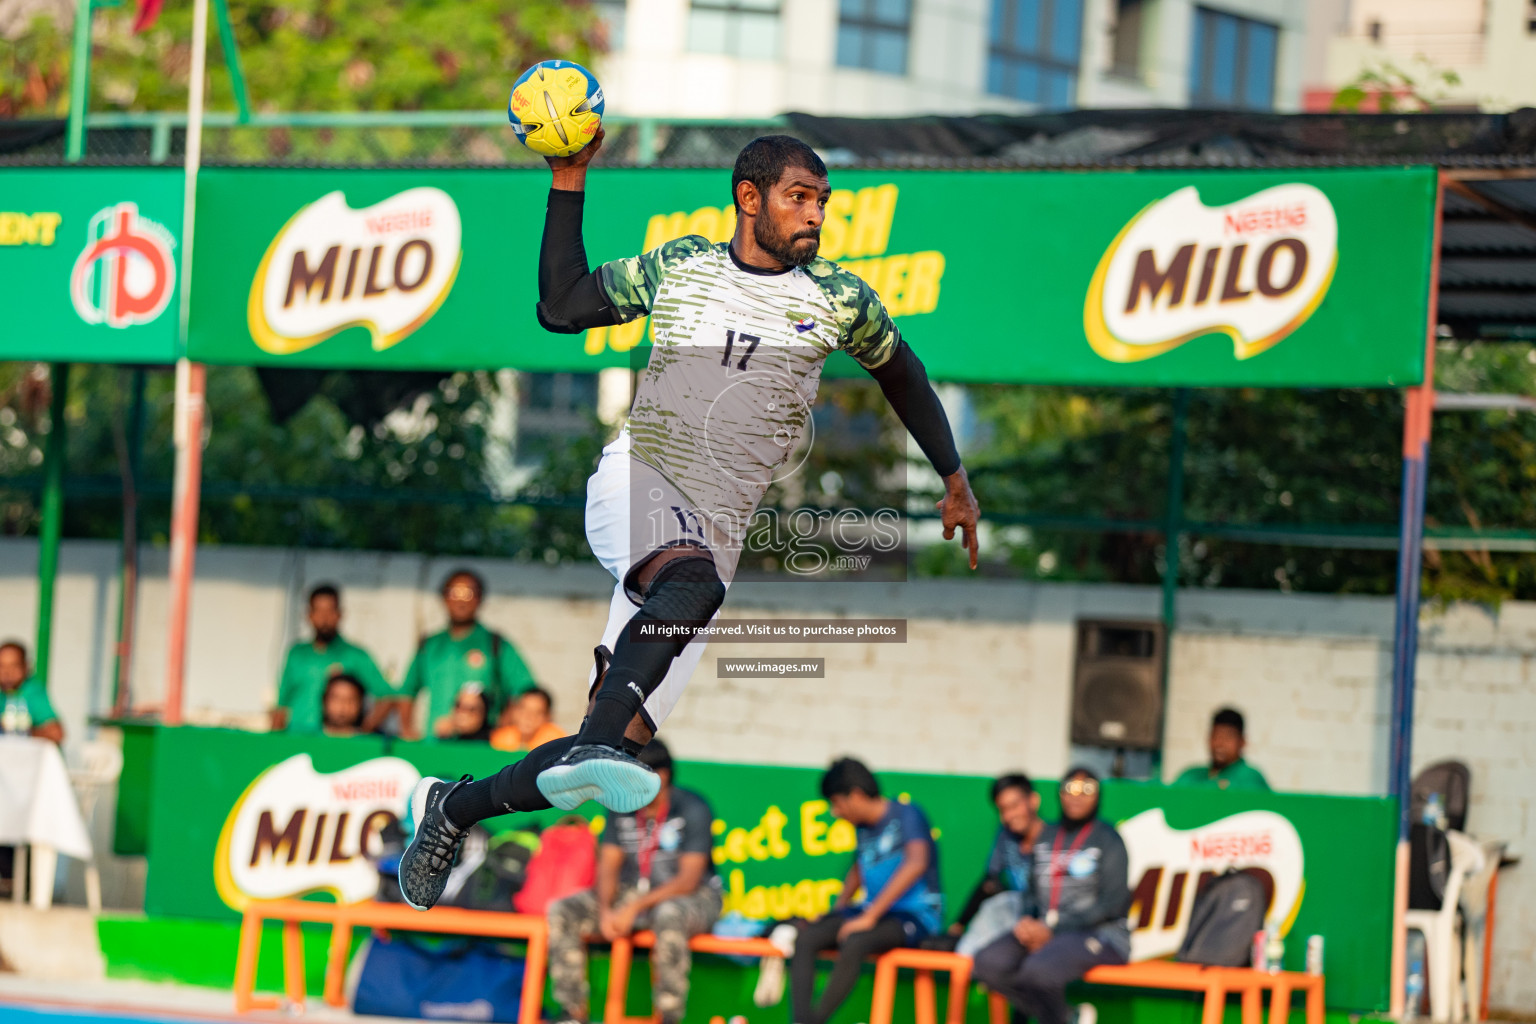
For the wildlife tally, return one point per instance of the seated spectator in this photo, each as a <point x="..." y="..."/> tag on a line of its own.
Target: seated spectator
<point x="1081" y="883"/>
<point x="310" y="665"/>
<point x="463" y="654"/>
<point x="527" y="722"/>
<point x="26" y="708"/>
<point x="654" y="871"/>
<point x="1227" y="769"/>
<point x="1004" y="893"/>
<point x="344" y="707"/>
<point x="896" y="864"/>
<point x="469" y="719"/>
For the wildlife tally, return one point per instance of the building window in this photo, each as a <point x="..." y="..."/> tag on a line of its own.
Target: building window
<point x="610" y="14"/>
<point x="1034" y="50"/>
<point x="552" y="408"/>
<point x="738" y="28"/>
<point x="873" y="34"/>
<point x="1232" y="62"/>
<point x="1125" y="58"/>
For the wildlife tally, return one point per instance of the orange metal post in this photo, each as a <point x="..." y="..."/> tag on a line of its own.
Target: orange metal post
<point x="621" y="957"/>
<point x="245" y="960"/>
<point x="923" y="996"/>
<point x="884" y="1001"/>
<point x="1253" y="1005"/>
<point x="533" y="976"/>
<point x="336" y="962"/>
<point x="293" y="963"/>
<point x="191" y="387"/>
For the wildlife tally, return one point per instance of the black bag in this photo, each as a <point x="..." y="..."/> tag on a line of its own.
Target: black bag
<point x="1225" y="917"/>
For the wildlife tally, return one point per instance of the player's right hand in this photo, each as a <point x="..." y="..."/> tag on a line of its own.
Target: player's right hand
<point x="581" y="157"/>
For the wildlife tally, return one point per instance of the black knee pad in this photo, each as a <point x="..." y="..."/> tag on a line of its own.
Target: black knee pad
<point x="684" y="591"/>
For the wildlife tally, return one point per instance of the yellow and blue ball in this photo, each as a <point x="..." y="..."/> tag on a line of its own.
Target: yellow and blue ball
<point x="555" y="107"/>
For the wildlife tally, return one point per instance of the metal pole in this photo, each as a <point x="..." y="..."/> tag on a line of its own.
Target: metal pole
<point x="51" y="528"/>
<point x="128" y="576"/>
<point x="79" y="82"/>
<point x="1173" y="533"/>
<point x="1420" y="406"/>
<point x="191" y="387"/>
<point x="232" y="60"/>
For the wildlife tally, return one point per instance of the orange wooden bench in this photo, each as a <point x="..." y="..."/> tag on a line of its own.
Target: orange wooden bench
<point x="886" y="965"/>
<point x="1216" y="982"/>
<point x="343" y="917"/>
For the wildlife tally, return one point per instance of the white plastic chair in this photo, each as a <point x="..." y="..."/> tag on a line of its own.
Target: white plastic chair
<point x="98" y="765"/>
<point x="1442" y="937"/>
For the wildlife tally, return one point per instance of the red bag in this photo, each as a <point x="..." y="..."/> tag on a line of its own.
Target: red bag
<point x="566" y="863"/>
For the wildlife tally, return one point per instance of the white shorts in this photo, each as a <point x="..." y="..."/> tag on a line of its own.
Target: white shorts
<point x="633" y="512"/>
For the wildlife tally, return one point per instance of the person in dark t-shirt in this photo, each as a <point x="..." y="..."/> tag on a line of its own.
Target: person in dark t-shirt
<point x="896" y="865"/>
<point x="1082" y="892"/>
<point x="654" y="870"/>
<point x="1004" y="893"/>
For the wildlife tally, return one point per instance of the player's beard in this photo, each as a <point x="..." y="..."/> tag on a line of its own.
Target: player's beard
<point x="793" y="249"/>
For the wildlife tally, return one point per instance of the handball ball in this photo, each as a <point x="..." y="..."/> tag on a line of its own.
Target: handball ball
<point x="555" y="107"/>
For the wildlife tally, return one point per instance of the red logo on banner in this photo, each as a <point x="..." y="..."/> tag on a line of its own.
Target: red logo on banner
<point x="125" y="274"/>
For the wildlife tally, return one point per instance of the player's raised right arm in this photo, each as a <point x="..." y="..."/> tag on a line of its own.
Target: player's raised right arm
<point x="570" y="296"/>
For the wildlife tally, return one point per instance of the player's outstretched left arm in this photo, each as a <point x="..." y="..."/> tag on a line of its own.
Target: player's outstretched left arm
<point x="905" y="384"/>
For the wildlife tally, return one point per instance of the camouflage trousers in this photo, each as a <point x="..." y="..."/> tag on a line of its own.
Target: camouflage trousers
<point x="674" y="921"/>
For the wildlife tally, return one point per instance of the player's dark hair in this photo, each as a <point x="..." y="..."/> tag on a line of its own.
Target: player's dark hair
<point x="657" y="757"/>
<point x="345" y="679"/>
<point x="465" y="574"/>
<point x="539" y="691"/>
<point x="1013" y="780"/>
<point x="846" y="775"/>
<point x="325" y="590"/>
<point x="1228" y="716"/>
<point x="764" y="160"/>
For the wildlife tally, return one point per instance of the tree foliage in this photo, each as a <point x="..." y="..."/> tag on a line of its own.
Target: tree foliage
<point x="298" y="55"/>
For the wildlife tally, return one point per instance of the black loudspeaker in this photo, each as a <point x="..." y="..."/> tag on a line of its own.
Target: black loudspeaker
<point x="1117" y="685"/>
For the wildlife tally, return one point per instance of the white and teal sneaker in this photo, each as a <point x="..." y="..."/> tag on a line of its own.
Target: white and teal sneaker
<point x="592" y="771"/>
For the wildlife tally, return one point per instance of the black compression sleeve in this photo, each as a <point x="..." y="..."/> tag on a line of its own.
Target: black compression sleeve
<point x="570" y="297"/>
<point x="905" y="385"/>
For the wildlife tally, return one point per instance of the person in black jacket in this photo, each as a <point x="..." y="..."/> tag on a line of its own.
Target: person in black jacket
<point x="1082" y="892"/>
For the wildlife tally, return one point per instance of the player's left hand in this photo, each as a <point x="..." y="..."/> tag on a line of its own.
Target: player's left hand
<point x="958" y="508"/>
<point x="861" y="923"/>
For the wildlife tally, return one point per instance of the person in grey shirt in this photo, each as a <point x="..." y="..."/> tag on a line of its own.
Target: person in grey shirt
<point x="1081" y="882"/>
<point x="654" y="871"/>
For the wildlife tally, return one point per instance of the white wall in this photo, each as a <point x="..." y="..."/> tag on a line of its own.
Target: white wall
<point x="982" y="685"/>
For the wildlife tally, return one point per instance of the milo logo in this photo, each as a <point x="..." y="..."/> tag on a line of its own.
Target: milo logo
<point x="1254" y="270"/>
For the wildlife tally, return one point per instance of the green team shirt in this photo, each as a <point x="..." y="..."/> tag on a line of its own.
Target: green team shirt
<point x="1237" y="775"/>
<point x="307" y="669"/>
<point x="35" y="696"/>
<point x="444" y="666"/>
<point x="725" y="399"/>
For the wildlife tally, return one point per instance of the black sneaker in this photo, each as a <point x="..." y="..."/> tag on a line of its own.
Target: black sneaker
<point x="433" y="847"/>
<point x="591" y="771"/>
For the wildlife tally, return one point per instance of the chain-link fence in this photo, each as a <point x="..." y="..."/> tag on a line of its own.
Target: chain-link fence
<point x="469" y="138"/>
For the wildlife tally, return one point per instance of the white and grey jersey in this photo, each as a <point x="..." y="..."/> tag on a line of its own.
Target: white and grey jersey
<point x="724" y="403"/>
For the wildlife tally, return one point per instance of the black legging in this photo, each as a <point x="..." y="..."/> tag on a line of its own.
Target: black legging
<point x="821" y="934"/>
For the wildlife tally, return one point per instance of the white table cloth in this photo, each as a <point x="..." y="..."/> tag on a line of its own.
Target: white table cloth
<point x="38" y="809"/>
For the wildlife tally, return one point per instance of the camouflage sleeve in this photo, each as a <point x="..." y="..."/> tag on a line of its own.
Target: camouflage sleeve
<point x="631" y="283"/>
<point x="865" y="329"/>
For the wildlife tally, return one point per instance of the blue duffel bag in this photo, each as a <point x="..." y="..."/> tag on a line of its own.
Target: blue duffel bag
<point x="450" y="980"/>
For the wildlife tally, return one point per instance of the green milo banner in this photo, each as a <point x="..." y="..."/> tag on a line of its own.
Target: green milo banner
<point x="1199" y="278"/>
<point x="236" y="816"/>
<point x="89" y="263"/>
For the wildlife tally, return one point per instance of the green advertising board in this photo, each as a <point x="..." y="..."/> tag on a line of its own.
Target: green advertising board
<point x="1198" y="278"/>
<point x="236" y="815"/>
<point x="89" y="263"/>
